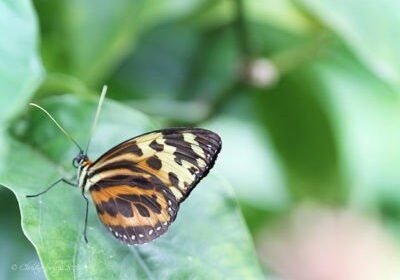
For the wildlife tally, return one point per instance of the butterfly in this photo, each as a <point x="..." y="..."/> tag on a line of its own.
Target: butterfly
<point x="138" y="185"/>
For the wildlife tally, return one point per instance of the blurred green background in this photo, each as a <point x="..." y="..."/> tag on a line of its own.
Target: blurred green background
<point x="304" y="93"/>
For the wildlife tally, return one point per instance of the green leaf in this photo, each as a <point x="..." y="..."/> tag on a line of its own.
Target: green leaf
<point x="282" y="14"/>
<point x="20" y="73"/>
<point x="264" y="186"/>
<point x="159" y="65"/>
<point x="369" y="27"/>
<point x="365" y="113"/>
<point x="87" y="39"/>
<point x="178" y="62"/>
<point x="208" y="240"/>
<point x="301" y="131"/>
<point x="18" y="258"/>
<point x="20" y="67"/>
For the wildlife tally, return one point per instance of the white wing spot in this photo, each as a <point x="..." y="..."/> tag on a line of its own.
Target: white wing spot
<point x="158" y="228"/>
<point x="125" y="237"/>
<point x="169" y="202"/>
<point x="165" y="223"/>
<point x="133" y="237"/>
<point x="200" y="163"/>
<point x="141" y="235"/>
<point x="151" y="232"/>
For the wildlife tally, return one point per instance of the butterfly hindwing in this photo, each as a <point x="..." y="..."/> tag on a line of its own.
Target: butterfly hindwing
<point x="137" y="186"/>
<point x="135" y="209"/>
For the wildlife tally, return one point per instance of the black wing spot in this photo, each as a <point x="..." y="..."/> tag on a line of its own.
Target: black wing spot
<point x="156" y="146"/>
<point x="134" y="148"/>
<point x="130" y="147"/>
<point x="99" y="209"/>
<point x="142" y="210"/>
<point x="124" y="207"/>
<point x="151" y="203"/>
<point x="109" y="207"/>
<point x="193" y="170"/>
<point x="144" y="200"/>
<point x="173" y="179"/>
<point x="154" y="162"/>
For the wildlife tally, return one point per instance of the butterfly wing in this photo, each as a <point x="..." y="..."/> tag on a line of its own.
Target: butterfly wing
<point x="136" y="208"/>
<point x="137" y="186"/>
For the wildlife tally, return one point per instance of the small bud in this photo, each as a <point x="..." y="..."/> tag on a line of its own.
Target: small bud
<point x="261" y="73"/>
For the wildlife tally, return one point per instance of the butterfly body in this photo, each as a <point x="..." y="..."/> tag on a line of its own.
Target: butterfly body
<point x="138" y="185"/>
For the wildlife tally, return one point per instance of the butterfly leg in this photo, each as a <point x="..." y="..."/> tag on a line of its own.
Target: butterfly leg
<point x="53" y="185"/>
<point x="86" y="215"/>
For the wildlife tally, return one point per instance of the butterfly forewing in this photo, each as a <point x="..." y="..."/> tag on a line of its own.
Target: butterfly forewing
<point x="137" y="186"/>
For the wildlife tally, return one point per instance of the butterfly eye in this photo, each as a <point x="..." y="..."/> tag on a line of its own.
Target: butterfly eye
<point x="75" y="162"/>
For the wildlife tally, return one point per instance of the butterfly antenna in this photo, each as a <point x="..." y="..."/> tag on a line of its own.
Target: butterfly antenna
<point x="57" y="124"/>
<point x="96" y="117"/>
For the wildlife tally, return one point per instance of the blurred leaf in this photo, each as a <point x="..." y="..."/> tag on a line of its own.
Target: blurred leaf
<point x="158" y="66"/>
<point x="208" y="240"/>
<point x="255" y="172"/>
<point x="20" y="67"/>
<point x="211" y="14"/>
<point x="178" y="62"/>
<point x="96" y="35"/>
<point x="18" y="259"/>
<point x="216" y="65"/>
<point x="369" y="27"/>
<point x="366" y="117"/>
<point x="20" y="73"/>
<point x="282" y="14"/>
<point x="300" y="129"/>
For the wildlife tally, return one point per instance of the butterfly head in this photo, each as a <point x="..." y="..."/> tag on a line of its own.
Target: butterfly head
<point x="80" y="160"/>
